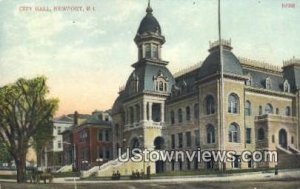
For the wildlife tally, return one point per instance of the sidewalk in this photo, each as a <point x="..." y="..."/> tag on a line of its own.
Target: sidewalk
<point x="257" y="176"/>
<point x="252" y="176"/>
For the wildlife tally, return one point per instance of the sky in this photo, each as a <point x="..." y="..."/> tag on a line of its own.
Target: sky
<point x="87" y="55"/>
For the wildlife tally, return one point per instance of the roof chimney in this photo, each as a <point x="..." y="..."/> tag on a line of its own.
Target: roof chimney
<point x="75" y="118"/>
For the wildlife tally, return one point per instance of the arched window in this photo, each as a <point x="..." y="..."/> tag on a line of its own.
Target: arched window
<point x="155" y="51"/>
<point x="268" y="83"/>
<point x="161" y="86"/>
<point x="210" y="130"/>
<point x="248" y="108"/>
<point x="233" y="133"/>
<point x="261" y="134"/>
<point x="188" y="113"/>
<point x="196" y="111"/>
<point x="269" y="109"/>
<point x="148" y="50"/>
<point x="210" y="105"/>
<point x="179" y="115"/>
<point x="131" y="114"/>
<point x="260" y="111"/>
<point x="286" y="86"/>
<point x="233" y="103"/>
<point x="288" y="111"/>
<point x="172" y="117"/>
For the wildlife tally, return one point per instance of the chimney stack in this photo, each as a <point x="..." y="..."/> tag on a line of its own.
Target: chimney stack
<point x="75" y="118"/>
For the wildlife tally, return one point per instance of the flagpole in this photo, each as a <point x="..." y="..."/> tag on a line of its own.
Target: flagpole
<point x="222" y="136"/>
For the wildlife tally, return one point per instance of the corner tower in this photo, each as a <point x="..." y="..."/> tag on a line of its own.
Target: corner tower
<point x="140" y="107"/>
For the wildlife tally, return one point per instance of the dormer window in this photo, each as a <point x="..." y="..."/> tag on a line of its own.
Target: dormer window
<point x="286" y="86"/>
<point x="160" y="82"/>
<point x="249" y="81"/>
<point x="268" y="83"/>
<point x="161" y="86"/>
<point x="134" y="83"/>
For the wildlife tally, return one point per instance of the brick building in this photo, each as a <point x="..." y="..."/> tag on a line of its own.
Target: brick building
<point x="92" y="140"/>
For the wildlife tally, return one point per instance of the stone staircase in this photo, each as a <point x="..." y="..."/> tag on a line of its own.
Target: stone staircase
<point x="124" y="168"/>
<point x="288" y="157"/>
<point x="65" y="168"/>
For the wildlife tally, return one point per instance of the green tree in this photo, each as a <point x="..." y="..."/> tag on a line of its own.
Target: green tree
<point x="5" y="156"/>
<point x="24" y="111"/>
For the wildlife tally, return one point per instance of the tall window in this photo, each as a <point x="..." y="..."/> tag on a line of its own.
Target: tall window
<point x="172" y="117"/>
<point x="161" y="86"/>
<point x="197" y="137"/>
<point x="196" y="111"/>
<point x="210" y="130"/>
<point x="180" y="140"/>
<point x="233" y="133"/>
<point x="107" y="154"/>
<point x="269" y="109"/>
<point x="173" y="141"/>
<point x="277" y="111"/>
<point x="233" y="103"/>
<point x="261" y="134"/>
<point x="180" y="115"/>
<point x="248" y="108"/>
<point x="286" y="86"/>
<point x="288" y="111"/>
<point x="188" y="113"/>
<point x="131" y="114"/>
<point x="59" y="144"/>
<point x="268" y="83"/>
<point x="260" y="111"/>
<point x="100" y="135"/>
<point x="188" y="139"/>
<point x="248" y="135"/>
<point x="155" y="51"/>
<point x="148" y="50"/>
<point x="107" y="137"/>
<point x="249" y="81"/>
<point x="210" y="105"/>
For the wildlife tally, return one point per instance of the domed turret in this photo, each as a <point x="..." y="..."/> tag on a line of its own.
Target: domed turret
<point x="149" y="23"/>
<point x="148" y="37"/>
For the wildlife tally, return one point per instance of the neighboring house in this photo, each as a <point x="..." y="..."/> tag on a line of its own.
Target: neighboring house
<point x="54" y="150"/>
<point x="157" y="109"/>
<point x="92" y="139"/>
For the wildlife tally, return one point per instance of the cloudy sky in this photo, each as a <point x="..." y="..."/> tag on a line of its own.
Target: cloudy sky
<point x="87" y="55"/>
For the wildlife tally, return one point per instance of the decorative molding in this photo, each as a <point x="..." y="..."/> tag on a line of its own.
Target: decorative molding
<point x="292" y="61"/>
<point x="224" y="42"/>
<point x="259" y="64"/>
<point x="187" y="70"/>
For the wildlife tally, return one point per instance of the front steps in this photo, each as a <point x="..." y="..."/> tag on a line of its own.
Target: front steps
<point x="288" y="158"/>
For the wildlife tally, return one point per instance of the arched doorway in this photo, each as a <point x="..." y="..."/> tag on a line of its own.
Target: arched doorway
<point x="159" y="145"/>
<point x="283" y="138"/>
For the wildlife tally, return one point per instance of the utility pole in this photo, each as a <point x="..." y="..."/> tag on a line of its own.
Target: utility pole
<point x="221" y="97"/>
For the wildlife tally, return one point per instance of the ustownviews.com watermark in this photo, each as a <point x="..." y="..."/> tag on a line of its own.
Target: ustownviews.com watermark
<point x="138" y="155"/>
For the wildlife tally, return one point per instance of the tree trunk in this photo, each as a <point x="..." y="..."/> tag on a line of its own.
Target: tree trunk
<point x="21" y="172"/>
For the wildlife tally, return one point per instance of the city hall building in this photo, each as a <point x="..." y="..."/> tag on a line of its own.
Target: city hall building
<point x="251" y="106"/>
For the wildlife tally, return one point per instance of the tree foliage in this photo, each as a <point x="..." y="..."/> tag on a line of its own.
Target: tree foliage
<point x="25" y="112"/>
